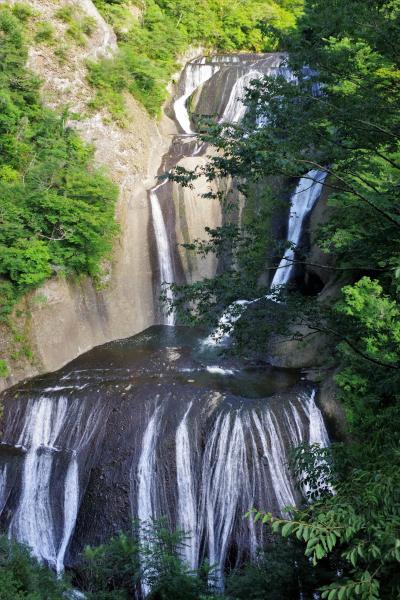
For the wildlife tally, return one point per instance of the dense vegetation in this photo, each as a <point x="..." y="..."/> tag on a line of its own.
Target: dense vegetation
<point x="22" y="578"/>
<point x="149" y="46"/>
<point x="350" y="129"/>
<point x="116" y="571"/>
<point x="56" y="209"/>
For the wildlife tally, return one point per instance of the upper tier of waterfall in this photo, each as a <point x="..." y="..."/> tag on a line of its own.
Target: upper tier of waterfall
<point x="302" y="201"/>
<point x="216" y="84"/>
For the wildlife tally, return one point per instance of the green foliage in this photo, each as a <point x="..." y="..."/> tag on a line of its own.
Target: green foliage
<point x="22" y="11"/>
<point x="44" y="33"/>
<point x="280" y="571"/>
<point x="149" y="47"/>
<point x="377" y="317"/>
<point x="79" y="25"/>
<point x="115" y="570"/>
<point x="3" y="368"/>
<point x="56" y="209"/>
<point x="23" y="578"/>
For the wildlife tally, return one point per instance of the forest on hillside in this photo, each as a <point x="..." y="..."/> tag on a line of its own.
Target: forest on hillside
<point x="341" y="117"/>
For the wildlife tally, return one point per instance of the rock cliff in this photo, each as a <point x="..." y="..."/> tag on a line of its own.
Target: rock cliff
<point x="65" y="318"/>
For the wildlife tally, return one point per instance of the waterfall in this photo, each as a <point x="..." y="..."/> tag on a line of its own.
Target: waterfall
<point x="194" y="75"/>
<point x="200" y="458"/>
<point x="235" y="108"/>
<point x="241" y="463"/>
<point x="302" y="201"/>
<point x="71" y="505"/>
<point x="56" y="434"/>
<point x="163" y="248"/>
<point x="318" y="432"/>
<point x="187" y="506"/>
<point x="277" y="460"/>
<point x="146" y="470"/>
<point x="32" y="522"/>
<point x="126" y="435"/>
<point x="3" y="486"/>
<point x="226" y="484"/>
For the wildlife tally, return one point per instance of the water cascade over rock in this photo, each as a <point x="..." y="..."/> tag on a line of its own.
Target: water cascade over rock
<point x="303" y="200"/>
<point x="159" y="425"/>
<point x="150" y="427"/>
<point x="217" y="85"/>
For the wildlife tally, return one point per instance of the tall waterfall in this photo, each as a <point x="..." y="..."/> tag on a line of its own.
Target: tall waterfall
<point x="32" y="521"/>
<point x="163" y="248"/>
<point x="54" y="433"/>
<point x="153" y="425"/>
<point x="187" y="504"/>
<point x="303" y="200"/>
<point x="244" y="464"/>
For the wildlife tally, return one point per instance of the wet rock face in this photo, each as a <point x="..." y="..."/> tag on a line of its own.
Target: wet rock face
<point x="155" y="425"/>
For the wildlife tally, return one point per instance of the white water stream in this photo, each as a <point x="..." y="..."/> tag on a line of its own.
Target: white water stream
<point x="306" y="195"/>
<point x="163" y="249"/>
<point x="194" y="75"/>
<point x="187" y="502"/>
<point x="302" y="201"/>
<point x="56" y="431"/>
<point x="32" y="522"/>
<point x="244" y="464"/>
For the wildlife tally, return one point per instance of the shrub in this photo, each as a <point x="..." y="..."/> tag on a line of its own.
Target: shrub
<point x="22" y="577"/>
<point x="44" y="33"/>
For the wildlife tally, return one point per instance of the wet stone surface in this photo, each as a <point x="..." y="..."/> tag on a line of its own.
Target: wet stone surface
<point x="154" y="425"/>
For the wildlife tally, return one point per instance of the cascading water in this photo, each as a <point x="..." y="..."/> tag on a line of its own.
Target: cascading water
<point x="306" y="195"/>
<point x="235" y="108"/>
<point x="194" y="75"/>
<point x="244" y="464"/>
<point x="163" y="249"/>
<point x="154" y="425"/>
<point x="32" y="522"/>
<point x="187" y="502"/>
<point x="55" y="434"/>
<point x="302" y="201"/>
<point x="194" y="446"/>
<point x="237" y="74"/>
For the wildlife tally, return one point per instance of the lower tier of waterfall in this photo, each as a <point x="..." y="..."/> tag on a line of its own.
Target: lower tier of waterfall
<point x="152" y="426"/>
